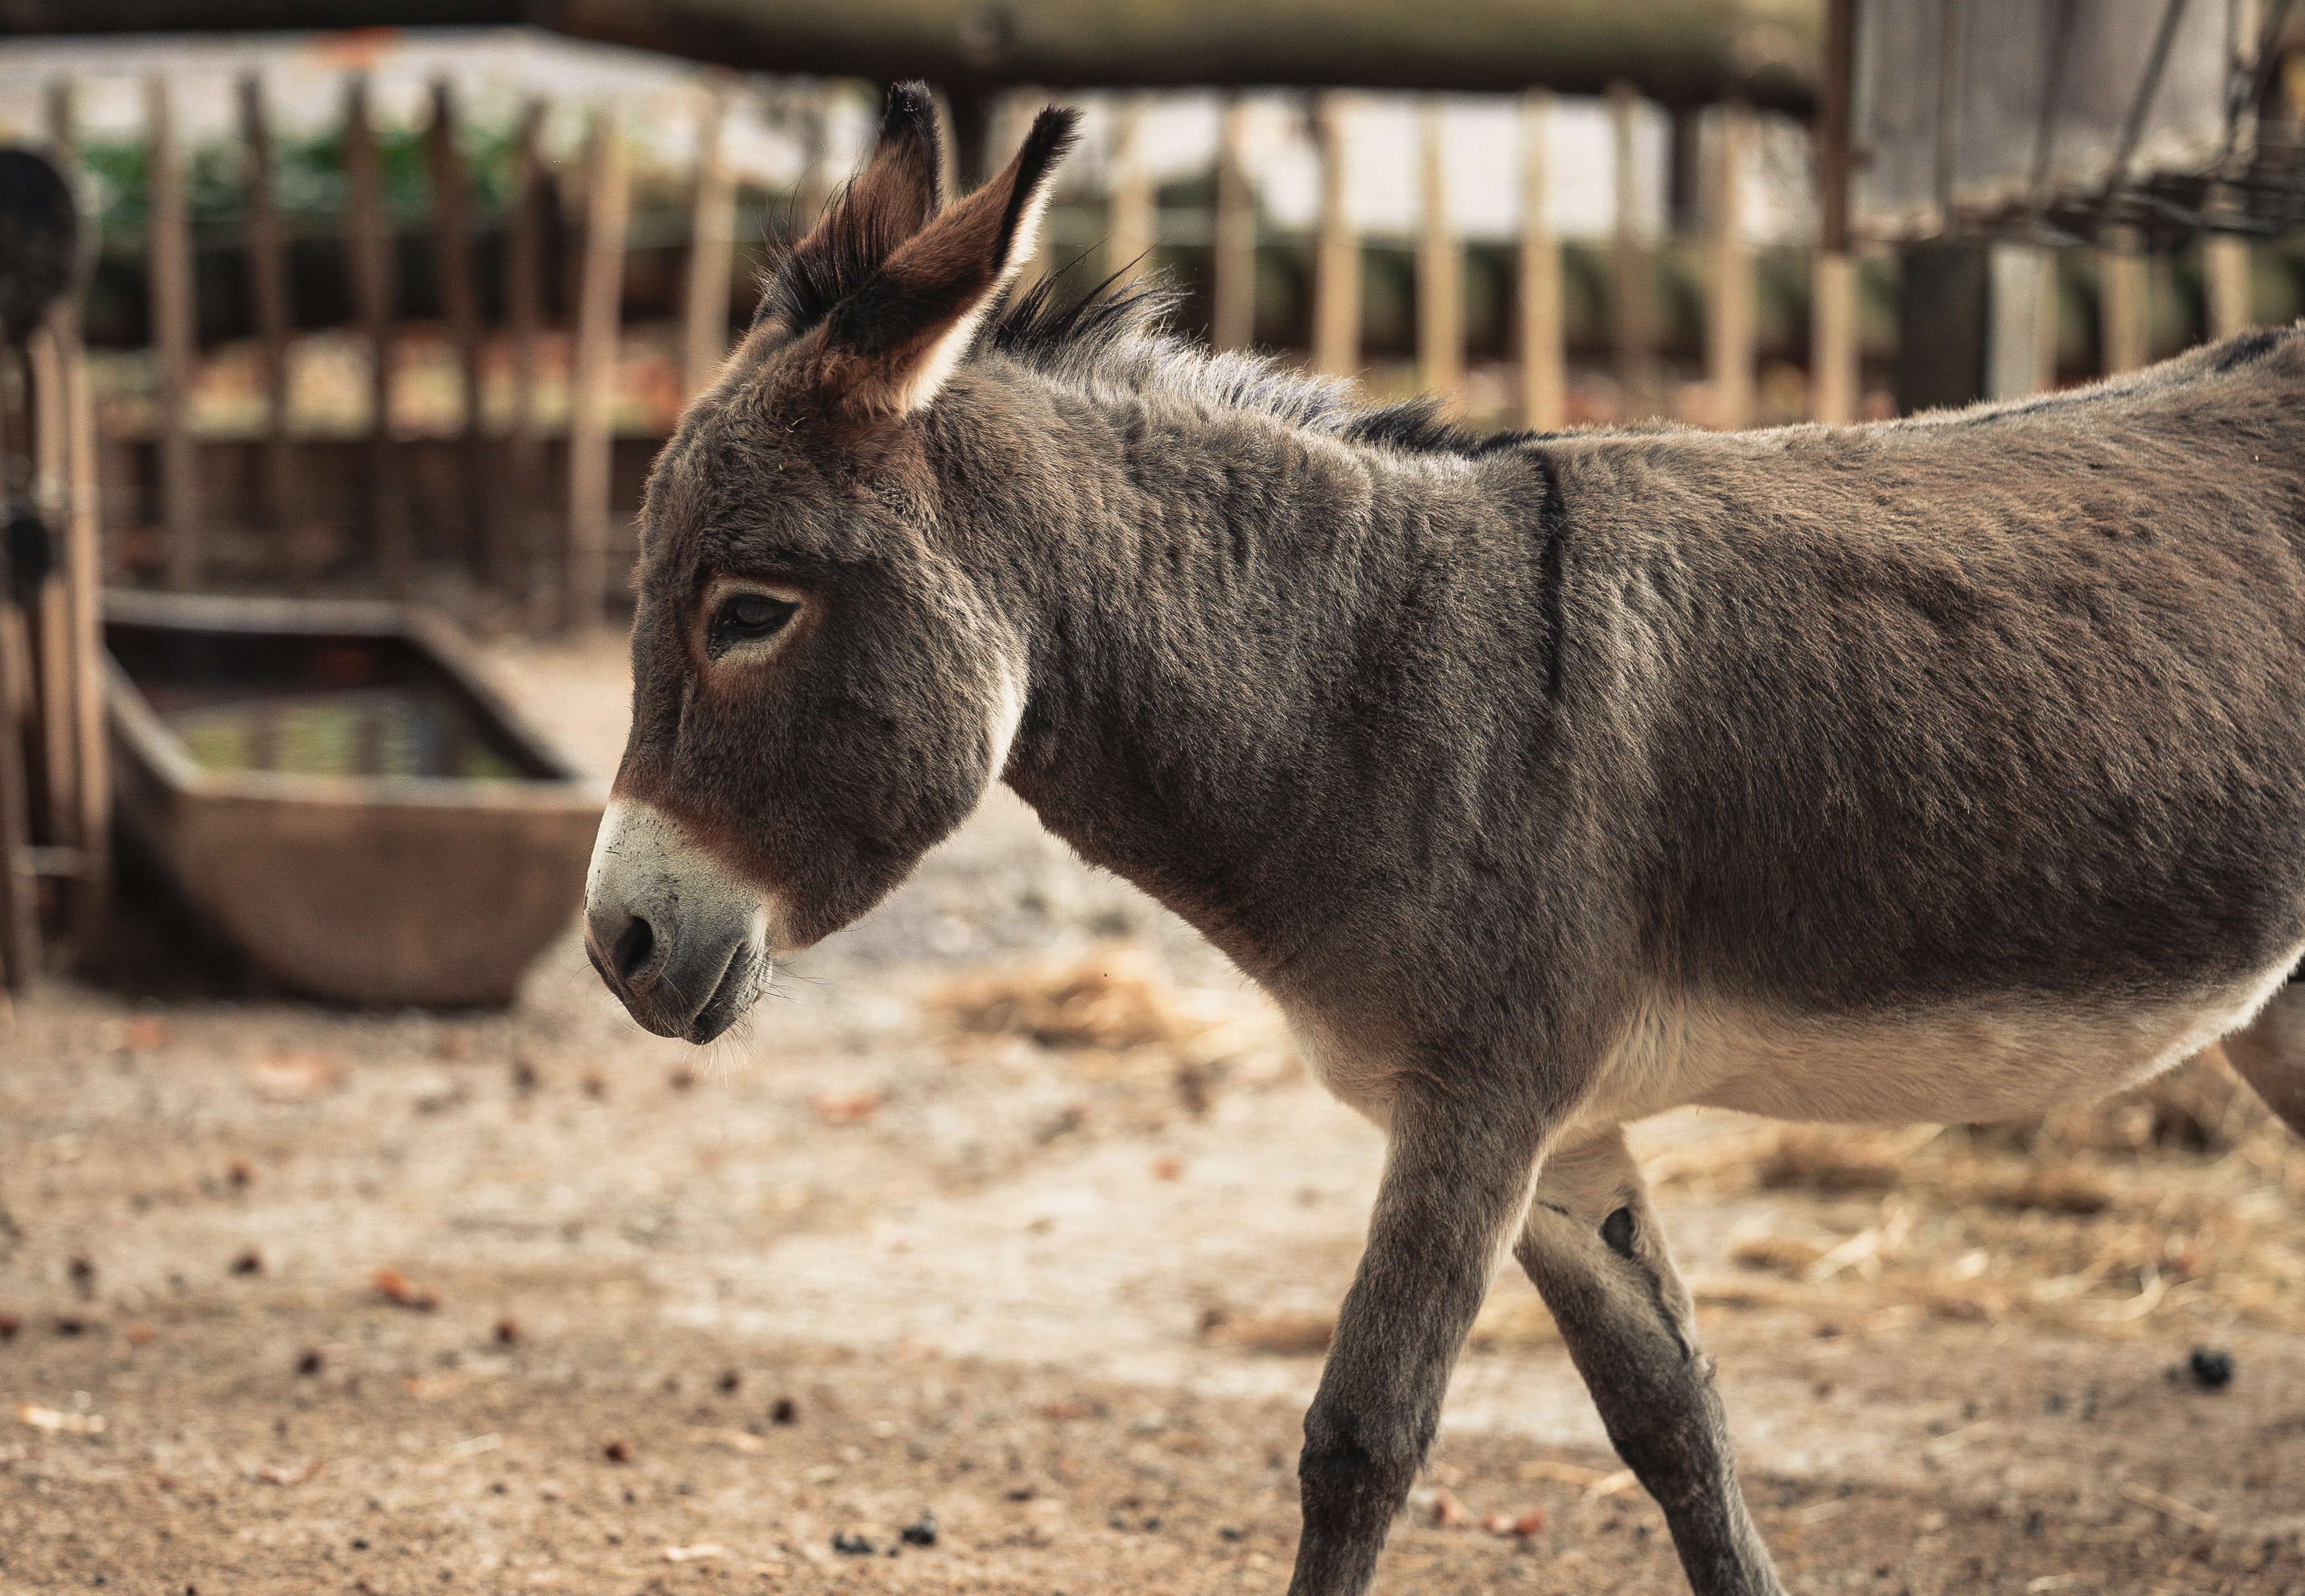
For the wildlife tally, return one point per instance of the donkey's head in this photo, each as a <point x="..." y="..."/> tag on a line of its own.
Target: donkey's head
<point x="821" y="690"/>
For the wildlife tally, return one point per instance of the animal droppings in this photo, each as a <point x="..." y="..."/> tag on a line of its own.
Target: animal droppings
<point x="784" y="1411"/>
<point x="507" y="1331"/>
<point x="2212" y="1368"/>
<point x="730" y="1380"/>
<point x="616" y="1452"/>
<point x="922" y="1530"/>
<point x="312" y="1362"/>
<point x="251" y="1262"/>
<point x="394" y="1287"/>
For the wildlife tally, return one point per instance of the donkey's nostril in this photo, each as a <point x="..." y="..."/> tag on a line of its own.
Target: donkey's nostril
<point x="634" y="949"/>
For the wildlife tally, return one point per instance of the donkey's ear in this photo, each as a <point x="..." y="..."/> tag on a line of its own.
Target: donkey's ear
<point x="890" y="346"/>
<point x="898" y="193"/>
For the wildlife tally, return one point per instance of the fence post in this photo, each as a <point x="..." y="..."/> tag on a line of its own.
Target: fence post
<point x="1439" y="270"/>
<point x="518" y="539"/>
<point x="452" y="264"/>
<point x="2225" y="277"/>
<point x="1631" y="287"/>
<point x="51" y="617"/>
<point x="590" y="435"/>
<point x="1544" y="364"/>
<point x="1232" y="309"/>
<point x="170" y="247"/>
<point x="2124" y="303"/>
<point x="368" y="247"/>
<point x="84" y="576"/>
<point x="269" y="290"/>
<point x="711" y="252"/>
<point x="1832" y="338"/>
<point x="19" y="923"/>
<point x="1130" y="230"/>
<point x="1729" y="329"/>
<point x="1336" y="252"/>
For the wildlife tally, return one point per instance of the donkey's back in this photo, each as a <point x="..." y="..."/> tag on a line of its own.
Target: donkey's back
<point x="1974" y="744"/>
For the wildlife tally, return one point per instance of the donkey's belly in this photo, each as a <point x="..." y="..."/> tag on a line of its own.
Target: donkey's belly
<point x="1949" y="1065"/>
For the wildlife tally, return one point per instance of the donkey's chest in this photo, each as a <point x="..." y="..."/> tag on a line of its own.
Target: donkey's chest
<point x="1949" y="1064"/>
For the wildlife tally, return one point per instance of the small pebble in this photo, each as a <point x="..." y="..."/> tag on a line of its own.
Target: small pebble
<point x="616" y="1452"/>
<point x="784" y="1411"/>
<point x="853" y="1546"/>
<point x="922" y="1530"/>
<point x="2212" y="1368"/>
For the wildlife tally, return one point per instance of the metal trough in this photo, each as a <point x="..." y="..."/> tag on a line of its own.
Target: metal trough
<point x="333" y="786"/>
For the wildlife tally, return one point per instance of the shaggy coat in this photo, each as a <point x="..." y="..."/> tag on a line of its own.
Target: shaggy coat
<point x="1937" y="770"/>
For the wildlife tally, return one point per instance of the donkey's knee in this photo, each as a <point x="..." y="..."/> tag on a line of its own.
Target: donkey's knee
<point x="2269" y="1053"/>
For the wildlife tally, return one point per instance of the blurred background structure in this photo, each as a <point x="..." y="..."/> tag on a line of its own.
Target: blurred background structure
<point x="405" y="311"/>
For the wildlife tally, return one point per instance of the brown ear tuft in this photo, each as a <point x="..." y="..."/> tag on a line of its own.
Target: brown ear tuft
<point x="898" y="193"/>
<point x="890" y="346"/>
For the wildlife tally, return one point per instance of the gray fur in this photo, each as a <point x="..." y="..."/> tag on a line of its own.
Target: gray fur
<point x="1545" y="782"/>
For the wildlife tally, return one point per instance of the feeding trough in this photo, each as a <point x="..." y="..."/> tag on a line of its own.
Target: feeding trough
<point x="335" y="789"/>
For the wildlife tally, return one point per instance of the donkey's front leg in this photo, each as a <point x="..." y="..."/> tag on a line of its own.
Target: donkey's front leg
<point x="1594" y="1248"/>
<point x="1456" y="1180"/>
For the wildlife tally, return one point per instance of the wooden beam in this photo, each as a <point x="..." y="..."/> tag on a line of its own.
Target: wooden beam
<point x="712" y="253"/>
<point x="369" y="246"/>
<point x="2124" y="304"/>
<point x="460" y="308"/>
<point x="517" y="528"/>
<point x="170" y="248"/>
<point x="51" y="613"/>
<point x="19" y="923"/>
<point x="1336" y="252"/>
<point x="1439" y="270"/>
<point x="594" y="396"/>
<point x="90" y="891"/>
<point x="268" y="292"/>
<point x="1631" y="286"/>
<point x="1544" y="354"/>
<point x="1232" y="309"/>
<point x="1728" y="349"/>
<point x="1832" y="339"/>
<point x="1129" y="233"/>
<point x="2226" y="279"/>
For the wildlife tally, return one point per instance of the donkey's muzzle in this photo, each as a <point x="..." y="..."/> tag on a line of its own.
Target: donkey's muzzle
<point x="682" y="942"/>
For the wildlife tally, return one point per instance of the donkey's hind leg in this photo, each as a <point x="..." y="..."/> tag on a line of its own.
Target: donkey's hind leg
<point x="1592" y="1246"/>
<point x="2269" y="1053"/>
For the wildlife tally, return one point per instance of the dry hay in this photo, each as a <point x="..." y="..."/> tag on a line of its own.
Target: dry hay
<point x="2175" y="1206"/>
<point x="1113" y="1018"/>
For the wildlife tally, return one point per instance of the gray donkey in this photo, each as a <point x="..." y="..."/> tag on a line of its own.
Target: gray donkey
<point x="1938" y="771"/>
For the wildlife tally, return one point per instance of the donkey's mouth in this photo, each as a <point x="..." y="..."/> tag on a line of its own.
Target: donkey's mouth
<point x="739" y="988"/>
<point x="683" y="946"/>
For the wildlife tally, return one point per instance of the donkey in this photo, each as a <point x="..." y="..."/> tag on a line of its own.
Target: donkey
<point x="1940" y="770"/>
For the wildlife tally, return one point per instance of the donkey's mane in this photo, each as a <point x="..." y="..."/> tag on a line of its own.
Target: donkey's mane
<point x="1118" y="339"/>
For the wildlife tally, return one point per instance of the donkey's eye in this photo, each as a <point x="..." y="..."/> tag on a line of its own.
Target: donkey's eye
<point x="746" y="616"/>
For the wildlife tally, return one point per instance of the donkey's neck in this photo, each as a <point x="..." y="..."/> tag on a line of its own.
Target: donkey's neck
<point x="1229" y="618"/>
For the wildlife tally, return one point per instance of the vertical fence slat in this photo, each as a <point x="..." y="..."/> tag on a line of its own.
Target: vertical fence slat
<point x="1440" y="269"/>
<point x="1832" y="359"/>
<point x="171" y="283"/>
<point x="1232" y="307"/>
<point x="83" y="581"/>
<point x="711" y="253"/>
<point x="1729" y="352"/>
<point x="590" y="400"/>
<point x="1543" y="358"/>
<point x="2124" y="304"/>
<point x="368" y="243"/>
<point x="1632" y="289"/>
<point x="1336" y="252"/>
<point x="1129" y="231"/>
<point x="52" y="616"/>
<point x="517" y="529"/>
<point x="452" y="267"/>
<point x="2225" y="278"/>
<point x="269" y="289"/>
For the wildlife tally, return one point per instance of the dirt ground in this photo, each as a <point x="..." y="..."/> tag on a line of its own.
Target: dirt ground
<point x="1015" y="1217"/>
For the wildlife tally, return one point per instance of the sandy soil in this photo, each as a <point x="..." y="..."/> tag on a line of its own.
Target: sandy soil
<point x="693" y="1316"/>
